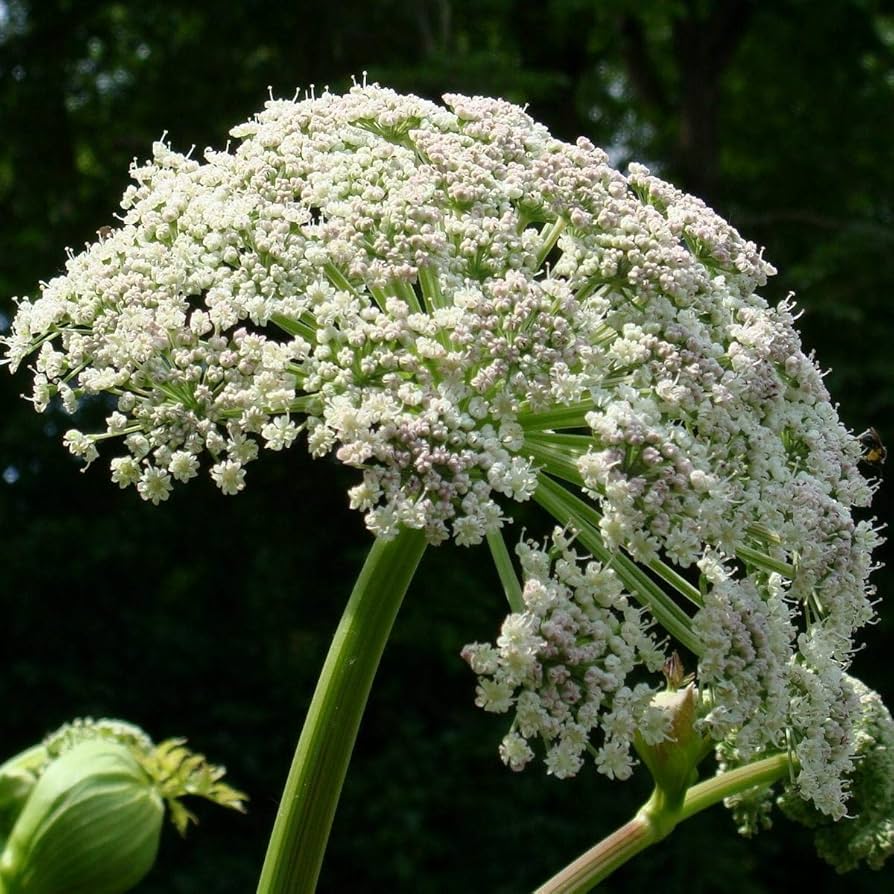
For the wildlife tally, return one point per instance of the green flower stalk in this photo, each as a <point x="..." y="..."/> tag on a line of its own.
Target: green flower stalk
<point x="83" y="812"/>
<point x="866" y="836"/>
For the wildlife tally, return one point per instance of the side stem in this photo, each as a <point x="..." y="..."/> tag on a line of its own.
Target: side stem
<point x="603" y="859"/>
<point x="304" y="819"/>
<point x="657" y="819"/>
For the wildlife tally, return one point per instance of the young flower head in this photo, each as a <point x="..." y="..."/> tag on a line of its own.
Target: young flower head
<point x="563" y="665"/>
<point x="91" y="823"/>
<point x="83" y="811"/>
<point x="472" y="312"/>
<point x="867" y="834"/>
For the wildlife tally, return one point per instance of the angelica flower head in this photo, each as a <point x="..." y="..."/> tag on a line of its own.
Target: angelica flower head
<point x="471" y="312"/>
<point x="404" y="282"/>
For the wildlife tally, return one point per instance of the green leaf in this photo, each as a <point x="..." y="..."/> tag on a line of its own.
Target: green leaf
<point x="179" y="772"/>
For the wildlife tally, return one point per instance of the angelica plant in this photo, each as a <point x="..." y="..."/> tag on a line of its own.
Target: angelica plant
<point x="472" y="313"/>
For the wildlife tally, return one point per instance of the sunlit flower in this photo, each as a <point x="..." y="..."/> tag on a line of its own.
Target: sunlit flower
<point x="473" y="313"/>
<point x="564" y="663"/>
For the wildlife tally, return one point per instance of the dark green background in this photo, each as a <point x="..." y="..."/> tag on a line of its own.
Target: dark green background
<point x="209" y="616"/>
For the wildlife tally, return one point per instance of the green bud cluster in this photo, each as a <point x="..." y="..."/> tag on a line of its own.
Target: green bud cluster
<point x="866" y="835"/>
<point x="82" y="813"/>
<point x="91" y="823"/>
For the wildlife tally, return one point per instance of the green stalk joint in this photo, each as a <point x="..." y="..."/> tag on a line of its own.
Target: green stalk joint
<point x="673" y="761"/>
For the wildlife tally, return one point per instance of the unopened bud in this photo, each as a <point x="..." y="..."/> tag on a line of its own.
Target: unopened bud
<point x="673" y="761"/>
<point x="17" y="777"/>
<point x="90" y="825"/>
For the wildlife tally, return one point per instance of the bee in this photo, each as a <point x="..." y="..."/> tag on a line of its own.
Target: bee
<point x="874" y="452"/>
<point x="104" y="233"/>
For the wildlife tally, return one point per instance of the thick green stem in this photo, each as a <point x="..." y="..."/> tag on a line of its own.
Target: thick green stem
<point x="711" y="791"/>
<point x="600" y="861"/>
<point x="657" y="819"/>
<point x="296" y="847"/>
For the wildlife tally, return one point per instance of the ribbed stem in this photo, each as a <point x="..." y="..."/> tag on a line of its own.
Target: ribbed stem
<point x="714" y="790"/>
<point x="603" y="859"/>
<point x="657" y="819"/>
<point x="296" y="847"/>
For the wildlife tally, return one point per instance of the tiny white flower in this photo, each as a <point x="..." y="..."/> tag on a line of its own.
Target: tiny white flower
<point x="515" y="751"/>
<point x="494" y="696"/>
<point x="229" y="476"/>
<point x="81" y="445"/>
<point x="183" y="465"/>
<point x="613" y="759"/>
<point x="154" y="485"/>
<point x="125" y="471"/>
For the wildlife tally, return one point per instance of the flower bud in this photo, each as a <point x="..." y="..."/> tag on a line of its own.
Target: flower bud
<point x="90" y="825"/>
<point x="673" y="762"/>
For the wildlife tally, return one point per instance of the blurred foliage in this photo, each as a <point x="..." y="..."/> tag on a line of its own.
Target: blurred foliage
<point x="209" y="616"/>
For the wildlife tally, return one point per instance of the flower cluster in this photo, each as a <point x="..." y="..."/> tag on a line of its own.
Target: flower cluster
<point x="774" y="681"/>
<point x="368" y="267"/>
<point x="468" y="310"/>
<point x="403" y="281"/>
<point x="868" y="833"/>
<point x="563" y="665"/>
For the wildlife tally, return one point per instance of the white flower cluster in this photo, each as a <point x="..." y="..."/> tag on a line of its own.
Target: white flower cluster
<point x="371" y="262"/>
<point x="769" y="687"/>
<point x="867" y="835"/>
<point x="723" y="430"/>
<point x="387" y="269"/>
<point x="563" y="666"/>
<point x="453" y="301"/>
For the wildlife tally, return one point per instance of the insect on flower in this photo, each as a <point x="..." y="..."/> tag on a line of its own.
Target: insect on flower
<point x="874" y="451"/>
